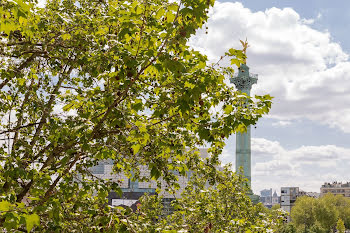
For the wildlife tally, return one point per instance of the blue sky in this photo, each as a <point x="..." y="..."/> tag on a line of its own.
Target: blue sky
<point x="335" y="15"/>
<point x="300" y="49"/>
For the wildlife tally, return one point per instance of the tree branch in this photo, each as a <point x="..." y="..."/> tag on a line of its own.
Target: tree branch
<point x="20" y="127"/>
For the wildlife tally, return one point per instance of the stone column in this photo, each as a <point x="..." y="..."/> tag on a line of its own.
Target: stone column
<point x="244" y="82"/>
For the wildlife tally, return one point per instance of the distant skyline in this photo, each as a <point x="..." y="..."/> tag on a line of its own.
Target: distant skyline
<point x="301" y="53"/>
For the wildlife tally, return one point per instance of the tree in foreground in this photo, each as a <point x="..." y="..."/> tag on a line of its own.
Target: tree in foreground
<point x="204" y="208"/>
<point x="340" y="226"/>
<point x="86" y="80"/>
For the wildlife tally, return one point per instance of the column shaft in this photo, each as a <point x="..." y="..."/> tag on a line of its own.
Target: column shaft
<point x="243" y="154"/>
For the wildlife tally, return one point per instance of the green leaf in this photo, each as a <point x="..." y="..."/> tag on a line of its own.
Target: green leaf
<point x="68" y="107"/>
<point x="136" y="148"/>
<point x="31" y="221"/>
<point x="170" y="16"/>
<point x="155" y="173"/>
<point x="66" y="36"/>
<point x="139" y="10"/>
<point x="21" y="81"/>
<point x="160" y="13"/>
<point x="5" y="206"/>
<point x="201" y="65"/>
<point x="228" y="109"/>
<point x="232" y="52"/>
<point x="21" y="205"/>
<point x="22" y="20"/>
<point x="236" y="62"/>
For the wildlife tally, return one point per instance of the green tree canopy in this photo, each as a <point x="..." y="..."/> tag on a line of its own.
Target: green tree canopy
<point x="88" y="80"/>
<point x="320" y="215"/>
<point x="303" y="211"/>
<point x="203" y="208"/>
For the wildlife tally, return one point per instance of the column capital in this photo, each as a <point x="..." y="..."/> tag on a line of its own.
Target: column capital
<point x="244" y="80"/>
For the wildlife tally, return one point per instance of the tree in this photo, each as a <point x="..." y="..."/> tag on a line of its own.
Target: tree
<point x="204" y="208"/>
<point x="342" y="204"/>
<point x="340" y="226"/>
<point x="317" y="228"/>
<point x="303" y="212"/>
<point x="326" y="212"/>
<point x="288" y="228"/>
<point x="88" y="80"/>
<point x="320" y="215"/>
<point x="276" y="207"/>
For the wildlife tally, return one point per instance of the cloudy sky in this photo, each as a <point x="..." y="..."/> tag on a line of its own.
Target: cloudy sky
<point x="300" y="50"/>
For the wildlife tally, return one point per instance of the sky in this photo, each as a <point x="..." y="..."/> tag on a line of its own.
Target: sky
<point x="300" y="50"/>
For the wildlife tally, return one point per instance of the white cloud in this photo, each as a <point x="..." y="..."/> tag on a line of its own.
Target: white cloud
<point x="308" y="21"/>
<point x="306" y="72"/>
<point x="307" y="167"/>
<point x="281" y="123"/>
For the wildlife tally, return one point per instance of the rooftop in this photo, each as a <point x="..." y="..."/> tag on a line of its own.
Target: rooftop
<point x="336" y="184"/>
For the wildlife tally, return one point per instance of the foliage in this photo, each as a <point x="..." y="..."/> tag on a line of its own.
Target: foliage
<point x="88" y="80"/>
<point x="276" y="207"/>
<point x="317" y="228"/>
<point x="340" y="226"/>
<point x="326" y="213"/>
<point x="16" y="214"/>
<point x="288" y="228"/>
<point x="303" y="211"/>
<point x="204" y="208"/>
<point x="320" y="215"/>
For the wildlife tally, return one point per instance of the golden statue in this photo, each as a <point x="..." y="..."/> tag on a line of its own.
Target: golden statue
<point x="245" y="46"/>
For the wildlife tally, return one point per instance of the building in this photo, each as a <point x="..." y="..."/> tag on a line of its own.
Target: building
<point x="313" y="194"/>
<point x="275" y="199"/>
<point x="266" y="197"/>
<point x="288" y="197"/>
<point x="133" y="189"/>
<point x="266" y="193"/>
<point x="336" y="188"/>
<point x="309" y="194"/>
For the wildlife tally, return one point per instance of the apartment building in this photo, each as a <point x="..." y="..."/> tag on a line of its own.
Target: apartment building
<point x="336" y="188"/>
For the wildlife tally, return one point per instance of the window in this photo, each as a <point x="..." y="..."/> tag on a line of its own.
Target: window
<point x="98" y="169"/>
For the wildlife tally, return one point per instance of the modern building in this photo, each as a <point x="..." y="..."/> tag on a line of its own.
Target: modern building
<point x="288" y="197"/>
<point x="336" y="188"/>
<point x="266" y="193"/>
<point x="266" y="197"/>
<point x="133" y="189"/>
